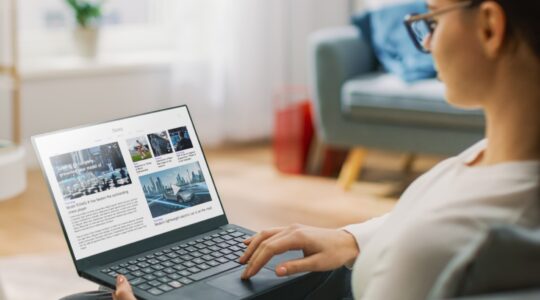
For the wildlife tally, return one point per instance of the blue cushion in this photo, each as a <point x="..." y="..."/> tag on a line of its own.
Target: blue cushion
<point x="383" y="28"/>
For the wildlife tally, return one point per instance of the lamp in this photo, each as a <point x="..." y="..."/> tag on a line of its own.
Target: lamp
<point x="12" y="154"/>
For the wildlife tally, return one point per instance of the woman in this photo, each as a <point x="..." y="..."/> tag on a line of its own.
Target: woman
<point x="488" y="55"/>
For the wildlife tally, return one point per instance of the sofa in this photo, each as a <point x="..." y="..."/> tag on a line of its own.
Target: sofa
<point x="357" y="105"/>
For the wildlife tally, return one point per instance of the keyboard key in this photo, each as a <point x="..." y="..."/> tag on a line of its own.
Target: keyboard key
<point x="182" y="252"/>
<point x="174" y="276"/>
<point x="234" y="248"/>
<point x="188" y="264"/>
<point x="204" y="266"/>
<point x="222" y="260"/>
<point x="169" y="270"/>
<point x="185" y="280"/>
<point x="167" y="264"/>
<point x="194" y="270"/>
<point x="176" y="261"/>
<point x="137" y="281"/>
<point x="159" y="274"/>
<point x="138" y="273"/>
<point x="155" y="291"/>
<point x="147" y="270"/>
<point x="106" y="270"/>
<point x="225" y="251"/>
<point x="175" y="284"/>
<point x="154" y="283"/>
<point x="163" y="258"/>
<point x="165" y="287"/>
<point x="186" y="257"/>
<point x="198" y="261"/>
<point x="149" y="277"/>
<point x="144" y="286"/>
<point x="167" y="251"/>
<point x="165" y="279"/>
<point x="112" y="274"/>
<point x="213" y="271"/>
<point x="133" y="268"/>
<point x="122" y="271"/>
<point x="212" y="263"/>
<point x="207" y="257"/>
<point x="231" y="256"/>
<point x="230" y="230"/>
<point x="179" y="267"/>
<point x="184" y="273"/>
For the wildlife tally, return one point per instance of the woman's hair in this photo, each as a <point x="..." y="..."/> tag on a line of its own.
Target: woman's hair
<point x="523" y="17"/>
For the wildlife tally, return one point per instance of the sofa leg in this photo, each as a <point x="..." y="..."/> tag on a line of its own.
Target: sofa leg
<point x="408" y="163"/>
<point x="352" y="167"/>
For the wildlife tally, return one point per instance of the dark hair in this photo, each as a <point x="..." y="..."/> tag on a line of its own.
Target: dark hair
<point x="523" y="17"/>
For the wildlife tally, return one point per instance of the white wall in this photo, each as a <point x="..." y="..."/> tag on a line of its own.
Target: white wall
<point x="61" y="102"/>
<point x="307" y="16"/>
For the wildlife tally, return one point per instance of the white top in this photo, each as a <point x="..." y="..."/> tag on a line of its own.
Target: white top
<point x="403" y="252"/>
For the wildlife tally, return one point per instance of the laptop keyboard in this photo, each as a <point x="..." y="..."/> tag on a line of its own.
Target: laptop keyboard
<point x="183" y="264"/>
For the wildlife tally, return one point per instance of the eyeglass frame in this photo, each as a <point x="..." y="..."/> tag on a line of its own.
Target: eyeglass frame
<point x="411" y="18"/>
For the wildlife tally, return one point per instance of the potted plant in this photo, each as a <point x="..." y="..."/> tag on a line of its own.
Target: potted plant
<point x="86" y="35"/>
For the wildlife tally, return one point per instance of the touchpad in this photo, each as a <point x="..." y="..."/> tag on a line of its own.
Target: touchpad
<point x="232" y="283"/>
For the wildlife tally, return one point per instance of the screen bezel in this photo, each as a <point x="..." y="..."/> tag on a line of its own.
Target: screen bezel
<point x="145" y="244"/>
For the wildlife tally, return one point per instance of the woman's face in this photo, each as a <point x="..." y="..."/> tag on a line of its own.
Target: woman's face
<point x="456" y="49"/>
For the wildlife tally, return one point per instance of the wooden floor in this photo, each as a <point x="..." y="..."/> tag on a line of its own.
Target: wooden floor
<point x="254" y="195"/>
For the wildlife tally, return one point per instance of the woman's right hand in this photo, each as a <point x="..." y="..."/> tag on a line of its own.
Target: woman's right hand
<point x="324" y="249"/>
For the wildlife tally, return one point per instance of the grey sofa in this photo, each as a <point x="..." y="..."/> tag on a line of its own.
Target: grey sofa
<point x="358" y="105"/>
<point x="503" y="263"/>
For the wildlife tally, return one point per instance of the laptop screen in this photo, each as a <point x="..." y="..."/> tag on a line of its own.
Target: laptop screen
<point x="123" y="181"/>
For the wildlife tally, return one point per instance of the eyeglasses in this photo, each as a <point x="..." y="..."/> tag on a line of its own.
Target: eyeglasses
<point x="421" y="26"/>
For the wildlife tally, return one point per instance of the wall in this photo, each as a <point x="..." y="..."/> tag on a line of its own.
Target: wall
<point x="66" y="101"/>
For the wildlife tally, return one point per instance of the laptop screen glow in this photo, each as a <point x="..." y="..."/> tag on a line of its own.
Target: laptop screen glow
<point x="123" y="181"/>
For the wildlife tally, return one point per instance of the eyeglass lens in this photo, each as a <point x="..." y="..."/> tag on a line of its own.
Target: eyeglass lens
<point x="421" y="31"/>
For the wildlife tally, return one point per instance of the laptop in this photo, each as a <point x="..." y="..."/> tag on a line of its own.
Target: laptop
<point x="135" y="196"/>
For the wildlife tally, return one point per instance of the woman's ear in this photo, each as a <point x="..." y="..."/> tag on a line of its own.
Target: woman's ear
<point x="492" y="28"/>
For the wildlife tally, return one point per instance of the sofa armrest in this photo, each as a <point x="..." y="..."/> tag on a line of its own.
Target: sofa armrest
<point x="336" y="55"/>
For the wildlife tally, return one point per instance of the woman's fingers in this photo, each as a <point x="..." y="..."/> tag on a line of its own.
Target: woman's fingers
<point x="123" y="289"/>
<point x="255" y="240"/>
<point x="306" y="264"/>
<point x="269" y="248"/>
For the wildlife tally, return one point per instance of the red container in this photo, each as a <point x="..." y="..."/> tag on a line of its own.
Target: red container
<point x="293" y="129"/>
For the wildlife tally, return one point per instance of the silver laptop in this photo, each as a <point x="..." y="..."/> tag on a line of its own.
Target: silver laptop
<point x="135" y="196"/>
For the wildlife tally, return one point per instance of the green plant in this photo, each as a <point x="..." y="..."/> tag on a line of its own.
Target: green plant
<point x="86" y="11"/>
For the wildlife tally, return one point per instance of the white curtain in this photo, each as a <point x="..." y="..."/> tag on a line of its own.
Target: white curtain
<point x="234" y="54"/>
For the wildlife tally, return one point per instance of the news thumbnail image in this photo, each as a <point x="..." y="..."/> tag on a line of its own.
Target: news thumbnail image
<point x="160" y="143"/>
<point x="90" y="171"/>
<point x="139" y="149"/>
<point x="175" y="189"/>
<point x="180" y="139"/>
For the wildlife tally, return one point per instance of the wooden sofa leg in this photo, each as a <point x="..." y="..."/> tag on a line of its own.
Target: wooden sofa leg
<point x="352" y="167"/>
<point x="408" y="163"/>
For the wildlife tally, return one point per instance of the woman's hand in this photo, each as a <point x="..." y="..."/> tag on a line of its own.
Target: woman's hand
<point x="324" y="249"/>
<point x="123" y="289"/>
